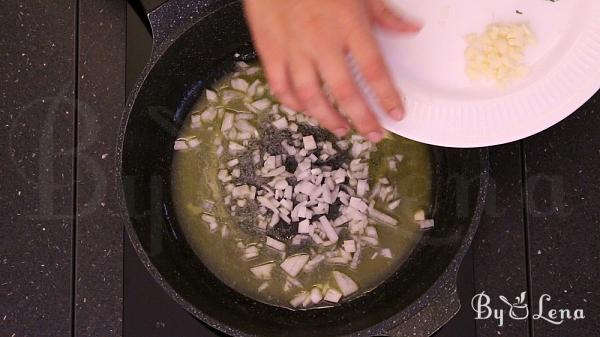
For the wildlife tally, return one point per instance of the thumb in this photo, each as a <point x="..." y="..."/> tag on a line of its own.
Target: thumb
<point x="385" y="17"/>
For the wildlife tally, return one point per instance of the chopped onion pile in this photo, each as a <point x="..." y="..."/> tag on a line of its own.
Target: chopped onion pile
<point x="294" y="178"/>
<point x="498" y="53"/>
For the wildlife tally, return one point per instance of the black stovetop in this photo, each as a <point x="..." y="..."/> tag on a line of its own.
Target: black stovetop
<point x="67" y="268"/>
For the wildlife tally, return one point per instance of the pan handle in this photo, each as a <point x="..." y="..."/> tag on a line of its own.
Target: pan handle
<point x="167" y="19"/>
<point x="430" y="319"/>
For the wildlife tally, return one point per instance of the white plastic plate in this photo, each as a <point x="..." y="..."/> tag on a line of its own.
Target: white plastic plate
<point x="444" y="107"/>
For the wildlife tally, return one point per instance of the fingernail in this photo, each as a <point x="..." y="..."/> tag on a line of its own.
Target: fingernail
<point x="375" y="136"/>
<point x="341" y="132"/>
<point x="397" y="114"/>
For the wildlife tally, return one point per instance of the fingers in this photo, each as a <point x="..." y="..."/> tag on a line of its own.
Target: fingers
<point x="336" y="74"/>
<point x="279" y="77"/>
<point x="387" y="18"/>
<point x="307" y="86"/>
<point x="269" y="45"/>
<point x="278" y="73"/>
<point x="372" y="66"/>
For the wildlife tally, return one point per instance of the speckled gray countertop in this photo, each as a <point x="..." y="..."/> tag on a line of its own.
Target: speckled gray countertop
<point x="66" y="268"/>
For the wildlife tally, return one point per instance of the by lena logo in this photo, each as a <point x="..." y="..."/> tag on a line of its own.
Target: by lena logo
<point x="519" y="309"/>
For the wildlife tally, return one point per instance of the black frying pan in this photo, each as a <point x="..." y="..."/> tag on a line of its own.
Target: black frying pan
<point x="194" y="44"/>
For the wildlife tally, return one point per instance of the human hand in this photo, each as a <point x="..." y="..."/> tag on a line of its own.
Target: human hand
<point x="303" y="45"/>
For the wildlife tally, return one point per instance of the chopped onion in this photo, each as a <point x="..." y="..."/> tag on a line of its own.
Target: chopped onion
<point x="332" y="295"/>
<point x="243" y="125"/>
<point x="227" y="123"/>
<point x="287" y="110"/>
<point x="263" y="271"/>
<point x="180" y="145"/>
<point x="307" y="301"/>
<point x="371" y="232"/>
<point x="338" y="260"/>
<point x="309" y="143"/>
<point x="263" y="286"/>
<point x="313" y="263"/>
<point x="239" y="84"/>
<point x="426" y="224"/>
<point x="315" y="295"/>
<point x="275" y="172"/>
<point x="281" y="123"/>
<point x="251" y="92"/>
<point x="262" y="104"/>
<point x="209" y="114"/>
<point x="419" y="215"/>
<point x="328" y="229"/>
<point x="294" y="264"/>
<point x="394" y="204"/>
<point x="356" y="257"/>
<point x="361" y="188"/>
<point x="349" y="246"/>
<point x="304" y="226"/>
<point x="345" y="283"/>
<point x="235" y="147"/>
<point x="276" y="244"/>
<point x="211" y="96"/>
<point x="369" y="240"/>
<point x="294" y="282"/>
<point x="224" y="231"/>
<point x="299" y="299"/>
<point x="250" y="252"/>
<point x="358" y="204"/>
<point x="386" y="253"/>
<point x="382" y="217"/>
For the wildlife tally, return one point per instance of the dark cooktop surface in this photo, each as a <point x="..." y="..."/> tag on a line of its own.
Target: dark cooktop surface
<point x="66" y="267"/>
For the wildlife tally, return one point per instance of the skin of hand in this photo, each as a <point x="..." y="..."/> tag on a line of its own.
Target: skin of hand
<point x="303" y="45"/>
